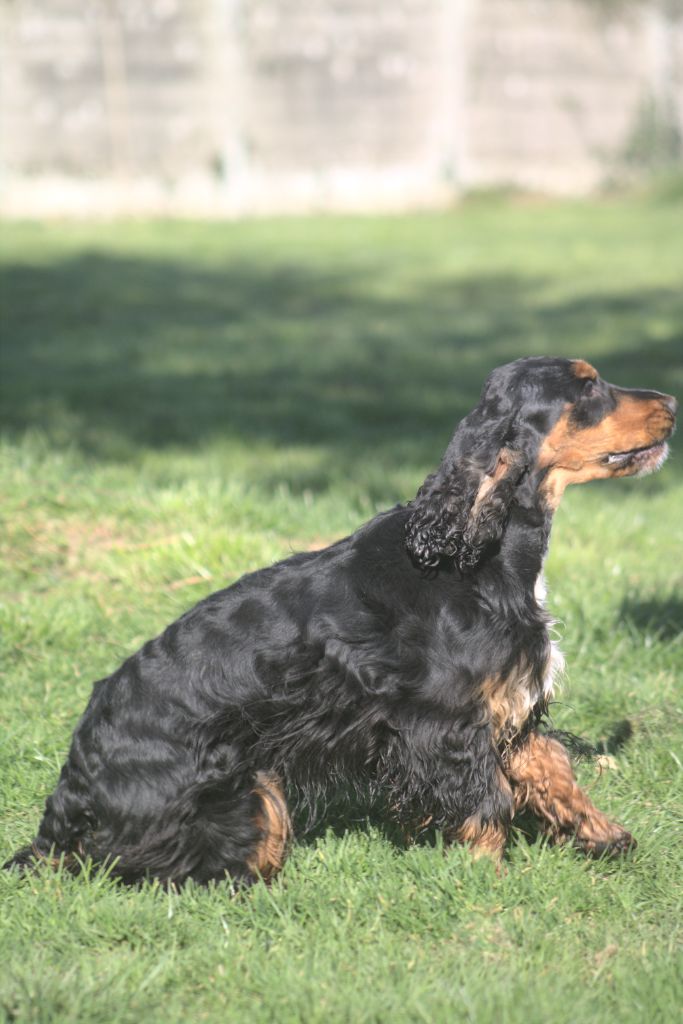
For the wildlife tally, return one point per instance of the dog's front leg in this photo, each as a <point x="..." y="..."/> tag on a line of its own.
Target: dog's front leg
<point x="543" y="781"/>
<point x="484" y="839"/>
<point x="486" y="831"/>
<point x="451" y="773"/>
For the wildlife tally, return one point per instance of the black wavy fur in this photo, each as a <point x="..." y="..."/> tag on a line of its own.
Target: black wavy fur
<point x="357" y="665"/>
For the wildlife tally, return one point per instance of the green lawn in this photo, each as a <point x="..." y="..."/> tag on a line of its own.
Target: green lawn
<point x="183" y="403"/>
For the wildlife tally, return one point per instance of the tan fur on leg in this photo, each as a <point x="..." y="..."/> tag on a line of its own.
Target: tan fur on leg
<point x="275" y="825"/>
<point x="483" y="840"/>
<point x="543" y="781"/>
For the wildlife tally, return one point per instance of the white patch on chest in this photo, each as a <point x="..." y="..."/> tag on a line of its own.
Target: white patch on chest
<point x="556" y="663"/>
<point x="540" y="589"/>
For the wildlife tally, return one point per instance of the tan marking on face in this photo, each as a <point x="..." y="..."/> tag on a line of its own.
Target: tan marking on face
<point x="574" y="455"/>
<point x="584" y="370"/>
<point x="275" y="825"/>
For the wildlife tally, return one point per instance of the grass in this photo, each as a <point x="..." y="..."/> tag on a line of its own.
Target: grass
<point x="182" y="403"/>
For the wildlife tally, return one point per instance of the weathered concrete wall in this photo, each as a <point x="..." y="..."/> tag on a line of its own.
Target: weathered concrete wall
<point x="236" y="105"/>
<point x="104" y="87"/>
<point x="556" y="91"/>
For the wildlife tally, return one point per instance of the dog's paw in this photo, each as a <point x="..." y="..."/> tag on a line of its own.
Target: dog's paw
<point x="617" y="846"/>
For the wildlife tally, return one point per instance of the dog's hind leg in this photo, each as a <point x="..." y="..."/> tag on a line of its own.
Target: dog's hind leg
<point x="230" y="824"/>
<point x="275" y="826"/>
<point x="65" y="822"/>
<point x="543" y="781"/>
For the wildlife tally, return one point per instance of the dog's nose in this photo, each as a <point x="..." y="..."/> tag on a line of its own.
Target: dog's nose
<point x="671" y="404"/>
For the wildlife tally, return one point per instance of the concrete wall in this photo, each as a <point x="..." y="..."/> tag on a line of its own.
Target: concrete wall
<point x="225" y="106"/>
<point x="557" y="91"/>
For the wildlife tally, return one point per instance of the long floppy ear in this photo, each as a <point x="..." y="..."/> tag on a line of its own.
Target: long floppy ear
<point x="462" y="509"/>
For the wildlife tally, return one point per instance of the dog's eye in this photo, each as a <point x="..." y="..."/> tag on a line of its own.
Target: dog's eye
<point x="588" y="389"/>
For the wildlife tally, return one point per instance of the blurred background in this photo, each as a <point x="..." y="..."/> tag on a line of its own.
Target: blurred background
<point x="220" y="107"/>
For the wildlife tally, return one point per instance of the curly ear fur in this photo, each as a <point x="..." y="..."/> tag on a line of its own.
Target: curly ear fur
<point x="461" y="510"/>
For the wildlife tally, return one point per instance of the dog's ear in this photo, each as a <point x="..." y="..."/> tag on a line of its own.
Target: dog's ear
<point x="463" y="508"/>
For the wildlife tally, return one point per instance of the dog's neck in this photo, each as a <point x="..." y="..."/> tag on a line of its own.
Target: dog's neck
<point x="524" y="544"/>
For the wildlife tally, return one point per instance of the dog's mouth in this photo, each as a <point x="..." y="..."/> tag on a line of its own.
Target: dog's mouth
<point x="638" y="460"/>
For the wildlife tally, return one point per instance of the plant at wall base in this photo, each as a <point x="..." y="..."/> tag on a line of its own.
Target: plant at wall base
<point x="614" y="8"/>
<point x="654" y="143"/>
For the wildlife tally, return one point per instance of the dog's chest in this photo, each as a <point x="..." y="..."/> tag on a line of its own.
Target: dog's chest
<point x="555" y="663"/>
<point x="512" y="698"/>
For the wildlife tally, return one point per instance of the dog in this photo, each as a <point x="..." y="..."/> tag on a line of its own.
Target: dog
<point x="411" y="660"/>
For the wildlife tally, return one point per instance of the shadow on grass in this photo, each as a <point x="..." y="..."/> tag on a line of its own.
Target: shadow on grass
<point x="115" y="354"/>
<point x="353" y="813"/>
<point x="657" y="617"/>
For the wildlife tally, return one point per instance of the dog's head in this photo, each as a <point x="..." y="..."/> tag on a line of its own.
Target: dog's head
<point x="540" y="425"/>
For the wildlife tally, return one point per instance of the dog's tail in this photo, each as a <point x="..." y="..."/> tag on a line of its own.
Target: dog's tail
<point x="226" y="825"/>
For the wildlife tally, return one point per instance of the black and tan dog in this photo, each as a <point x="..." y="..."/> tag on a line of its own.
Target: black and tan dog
<point x="411" y="659"/>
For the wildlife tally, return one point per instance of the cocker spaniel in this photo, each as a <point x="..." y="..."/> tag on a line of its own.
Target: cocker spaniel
<point x="412" y="660"/>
